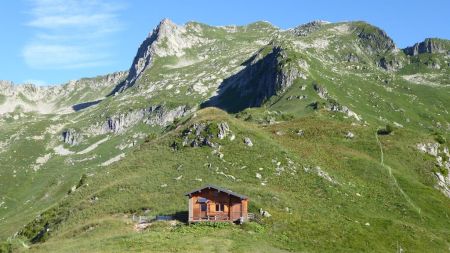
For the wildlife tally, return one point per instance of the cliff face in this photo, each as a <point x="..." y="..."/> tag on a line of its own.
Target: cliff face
<point x="428" y="46"/>
<point x="152" y="116"/>
<point x="264" y="75"/>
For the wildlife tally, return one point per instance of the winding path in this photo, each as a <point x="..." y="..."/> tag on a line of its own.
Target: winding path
<point x="393" y="177"/>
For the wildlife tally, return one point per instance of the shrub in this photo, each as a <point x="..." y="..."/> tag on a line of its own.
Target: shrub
<point x="315" y="105"/>
<point x="5" y="247"/>
<point x="386" y="131"/>
<point x="389" y="128"/>
<point x="176" y="145"/>
<point x="443" y="171"/>
<point x="441" y="139"/>
<point x="150" y="137"/>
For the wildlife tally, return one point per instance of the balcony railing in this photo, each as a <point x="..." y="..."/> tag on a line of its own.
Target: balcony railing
<point x="222" y="216"/>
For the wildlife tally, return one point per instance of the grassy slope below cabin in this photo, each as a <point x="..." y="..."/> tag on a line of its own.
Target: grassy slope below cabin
<point x="364" y="209"/>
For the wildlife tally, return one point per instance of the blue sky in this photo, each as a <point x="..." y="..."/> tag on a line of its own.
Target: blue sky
<point x="53" y="41"/>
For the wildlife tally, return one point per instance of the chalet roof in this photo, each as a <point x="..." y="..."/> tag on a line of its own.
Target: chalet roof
<point x="209" y="186"/>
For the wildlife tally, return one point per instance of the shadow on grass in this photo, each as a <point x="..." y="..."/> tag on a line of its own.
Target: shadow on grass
<point x="181" y="216"/>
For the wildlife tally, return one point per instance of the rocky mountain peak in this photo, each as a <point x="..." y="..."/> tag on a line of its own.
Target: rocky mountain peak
<point x="166" y="26"/>
<point x="167" y="39"/>
<point x="305" y="29"/>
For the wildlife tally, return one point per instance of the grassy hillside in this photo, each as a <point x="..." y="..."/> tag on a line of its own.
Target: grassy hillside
<point x="359" y="206"/>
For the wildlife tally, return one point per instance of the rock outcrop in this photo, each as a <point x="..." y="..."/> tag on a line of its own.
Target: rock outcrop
<point x="333" y="105"/>
<point x="308" y="28"/>
<point x="442" y="156"/>
<point x="224" y="130"/>
<point x="429" y="148"/>
<point x="71" y="137"/>
<point x="267" y="73"/>
<point x="390" y="64"/>
<point x="321" y="91"/>
<point x="205" y="134"/>
<point x="155" y="116"/>
<point x="428" y="46"/>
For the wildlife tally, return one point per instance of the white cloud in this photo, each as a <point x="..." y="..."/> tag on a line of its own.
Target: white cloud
<point x="59" y="21"/>
<point x="71" y="34"/>
<point x="63" y="56"/>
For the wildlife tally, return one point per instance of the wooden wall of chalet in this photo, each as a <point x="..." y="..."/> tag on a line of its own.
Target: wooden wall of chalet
<point x="234" y="207"/>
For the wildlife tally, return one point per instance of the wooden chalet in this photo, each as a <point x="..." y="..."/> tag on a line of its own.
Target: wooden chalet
<point x="212" y="203"/>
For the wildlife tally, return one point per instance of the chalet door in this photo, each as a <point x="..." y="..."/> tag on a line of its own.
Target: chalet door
<point x="203" y="210"/>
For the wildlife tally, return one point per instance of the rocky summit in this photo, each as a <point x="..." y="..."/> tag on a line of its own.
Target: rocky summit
<point x="339" y="138"/>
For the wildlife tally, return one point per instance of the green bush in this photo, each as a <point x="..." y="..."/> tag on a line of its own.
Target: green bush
<point x="443" y="171"/>
<point x="176" y="145"/>
<point x="151" y="137"/>
<point x="386" y="131"/>
<point x="389" y="128"/>
<point x="5" y="247"/>
<point x="440" y="139"/>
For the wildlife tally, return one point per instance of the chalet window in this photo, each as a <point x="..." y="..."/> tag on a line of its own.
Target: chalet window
<point x="202" y="200"/>
<point x="203" y="207"/>
<point x="220" y="207"/>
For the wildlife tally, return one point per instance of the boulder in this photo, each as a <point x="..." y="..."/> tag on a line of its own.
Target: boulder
<point x="248" y="142"/>
<point x="224" y="130"/>
<point x="429" y="148"/>
<point x="350" y="135"/>
<point x="264" y="213"/>
<point x="300" y="132"/>
<point x="321" y="91"/>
